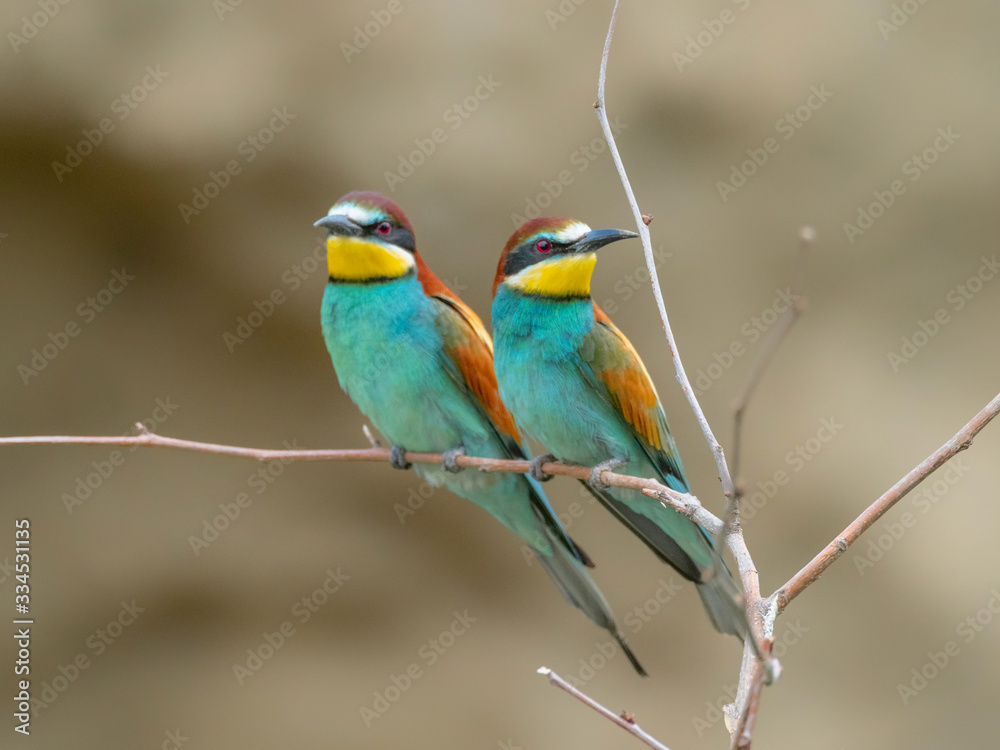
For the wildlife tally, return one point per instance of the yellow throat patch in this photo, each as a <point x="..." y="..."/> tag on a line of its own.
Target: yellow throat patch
<point x="561" y="276"/>
<point x="355" y="259"/>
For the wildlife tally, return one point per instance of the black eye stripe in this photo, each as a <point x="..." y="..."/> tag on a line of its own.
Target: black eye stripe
<point x="527" y="254"/>
<point x="397" y="235"/>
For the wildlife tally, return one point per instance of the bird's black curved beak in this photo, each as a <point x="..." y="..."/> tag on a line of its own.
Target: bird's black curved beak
<point x="339" y="224"/>
<point x="598" y="238"/>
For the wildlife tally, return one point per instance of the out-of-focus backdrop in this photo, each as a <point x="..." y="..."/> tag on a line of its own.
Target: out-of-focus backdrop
<point x="162" y="164"/>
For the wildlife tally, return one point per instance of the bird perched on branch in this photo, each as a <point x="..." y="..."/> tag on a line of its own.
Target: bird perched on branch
<point x="576" y="385"/>
<point x="419" y="363"/>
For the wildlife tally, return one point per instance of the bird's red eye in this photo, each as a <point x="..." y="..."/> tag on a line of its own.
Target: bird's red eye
<point x="543" y="246"/>
<point x="384" y="228"/>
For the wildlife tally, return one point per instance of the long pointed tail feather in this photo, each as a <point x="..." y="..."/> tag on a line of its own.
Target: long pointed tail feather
<point x="724" y="603"/>
<point x="565" y="565"/>
<point x="579" y="589"/>
<point x="720" y="593"/>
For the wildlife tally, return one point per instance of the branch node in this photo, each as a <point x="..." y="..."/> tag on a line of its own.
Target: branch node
<point x="842" y="543"/>
<point x="772" y="671"/>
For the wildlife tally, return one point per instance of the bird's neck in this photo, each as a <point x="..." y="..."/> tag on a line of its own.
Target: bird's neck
<point x="387" y="305"/>
<point x="553" y="322"/>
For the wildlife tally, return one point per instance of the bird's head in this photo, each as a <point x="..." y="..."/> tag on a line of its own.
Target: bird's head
<point x="370" y="239"/>
<point x="553" y="257"/>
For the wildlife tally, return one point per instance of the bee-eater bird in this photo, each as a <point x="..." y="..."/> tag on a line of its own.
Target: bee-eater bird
<point x="419" y="364"/>
<point x="574" y="383"/>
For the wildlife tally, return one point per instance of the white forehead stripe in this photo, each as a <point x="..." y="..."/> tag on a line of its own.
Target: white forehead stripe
<point x="358" y="214"/>
<point x="571" y="232"/>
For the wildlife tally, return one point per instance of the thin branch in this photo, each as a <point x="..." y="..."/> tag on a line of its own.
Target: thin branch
<point x="730" y="530"/>
<point x="625" y="721"/>
<point x="688" y="505"/>
<point x="375" y="442"/>
<point x="808" y="575"/>
<point x="807" y="237"/>
<point x="743" y="736"/>
<point x="752" y="677"/>
<point x="640" y="222"/>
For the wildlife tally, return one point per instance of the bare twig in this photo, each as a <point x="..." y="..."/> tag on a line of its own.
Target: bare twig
<point x="743" y="735"/>
<point x="730" y="531"/>
<point x="807" y="236"/>
<point x="375" y="442"/>
<point x="628" y="724"/>
<point x="686" y="504"/>
<point x="751" y="676"/>
<point x="602" y="115"/>
<point x="962" y="439"/>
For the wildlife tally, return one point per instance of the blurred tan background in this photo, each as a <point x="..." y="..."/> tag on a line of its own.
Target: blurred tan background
<point x="210" y="77"/>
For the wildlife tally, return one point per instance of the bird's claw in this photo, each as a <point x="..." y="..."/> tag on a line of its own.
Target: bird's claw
<point x="595" y="473"/>
<point x="536" y="467"/>
<point x="448" y="460"/>
<point x="397" y="457"/>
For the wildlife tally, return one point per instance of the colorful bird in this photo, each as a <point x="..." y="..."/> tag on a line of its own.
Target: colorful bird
<point x="419" y="364"/>
<point x="576" y="385"/>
